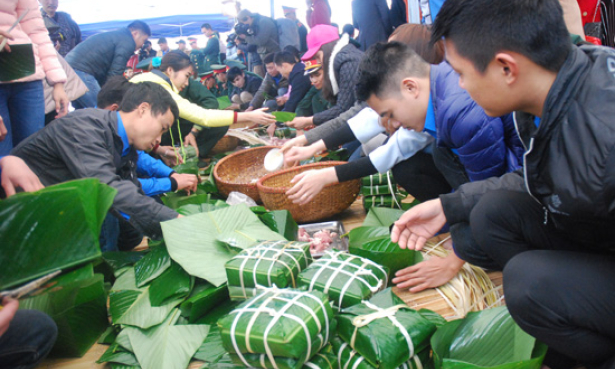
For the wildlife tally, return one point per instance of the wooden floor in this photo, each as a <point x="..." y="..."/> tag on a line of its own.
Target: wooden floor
<point x="351" y="218"/>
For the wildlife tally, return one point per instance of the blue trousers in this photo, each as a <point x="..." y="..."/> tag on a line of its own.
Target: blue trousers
<point x="22" y="107"/>
<point x="30" y="337"/>
<point x="89" y="99"/>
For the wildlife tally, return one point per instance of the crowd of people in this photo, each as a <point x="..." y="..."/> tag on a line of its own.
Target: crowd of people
<point x="503" y="133"/>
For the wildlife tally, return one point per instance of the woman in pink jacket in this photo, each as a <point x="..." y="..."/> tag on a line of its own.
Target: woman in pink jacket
<point x="22" y="102"/>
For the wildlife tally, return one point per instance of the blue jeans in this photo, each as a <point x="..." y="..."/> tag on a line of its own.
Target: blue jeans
<point x="30" y="337"/>
<point x="89" y="99"/>
<point x="22" y="107"/>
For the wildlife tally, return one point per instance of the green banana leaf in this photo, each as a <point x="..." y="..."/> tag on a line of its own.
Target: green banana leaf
<point x="167" y="346"/>
<point x="109" y="336"/>
<point x="202" y="300"/>
<point x="433" y="317"/>
<point x="382" y="217"/>
<point x="211" y="349"/>
<point x="203" y="243"/>
<point x="486" y="339"/>
<point x="76" y="301"/>
<point x="283" y="116"/>
<point x="122" y="366"/>
<point x="18" y="63"/>
<point x="177" y="200"/>
<point x="34" y="240"/>
<point x="121" y="259"/>
<point x="349" y="358"/>
<point x="381" y="342"/>
<point x="173" y="284"/>
<point x="118" y="355"/>
<point x="378" y="179"/>
<point x="152" y="265"/>
<point x="223" y="102"/>
<point x="374" y="243"/>
<point x="187" y="168"/>
<point x="191" y="209"/>
<point x="282" y="222"/>
<point x="130" y="305"/>
<point x="218" y="312"/>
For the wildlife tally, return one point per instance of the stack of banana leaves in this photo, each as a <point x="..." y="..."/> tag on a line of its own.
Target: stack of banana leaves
<point x="268" y="264"/>
<point x="380" y="190"/>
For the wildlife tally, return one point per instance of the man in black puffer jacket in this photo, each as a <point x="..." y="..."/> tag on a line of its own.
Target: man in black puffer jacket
<point x="549" y="227"/>
<point x="105" y="55"/>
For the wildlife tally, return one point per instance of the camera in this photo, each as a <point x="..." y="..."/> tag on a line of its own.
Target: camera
<point x="242" y="29"/>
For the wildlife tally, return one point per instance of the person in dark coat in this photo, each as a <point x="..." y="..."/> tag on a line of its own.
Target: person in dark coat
<point x="262" y="33"/>
<point x="372" y="19"/>
<point x="103" y="144"/>
<point x="104" y="55"/>
<point x="63" y="30"/>
<point x="548" y="227"/>
<point x="245" y="87"/>
<point x="325" y="44"/>
<point x="298" y="82"/>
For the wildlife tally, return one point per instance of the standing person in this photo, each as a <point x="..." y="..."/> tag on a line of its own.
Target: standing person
<point x="398" y="13"/>
<point x="146" y="51"/>
<point x="340" y="61"/>
<point x="181" y="46"/>
<point x="63" y="30"/>
<point x="291" y="13"/>
<point x="211" y="52"/>
<point x="104" y="55"/>
<point x="22" y="101"/>
<point x="163" y="44"/>
<point x="372" y="19"/>
<point x="318" y="12"/>
<point x="549" y="226"/>
<point x="261" y="33"/>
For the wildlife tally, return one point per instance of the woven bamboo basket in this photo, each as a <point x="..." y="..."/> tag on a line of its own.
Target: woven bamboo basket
<point x="225" y="144"/>
<point x="240" y="171"/>
<point x="333" y="199"/>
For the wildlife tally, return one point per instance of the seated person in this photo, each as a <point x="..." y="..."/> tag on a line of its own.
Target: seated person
<point x="298" y="81"/>
<point x="313" y="102"/>
<point x="427" y="101"/>
<point x="100" y="144"/>
<point x="548" y="227"/>
<point x="273" y="87"/>
<point x="244" y="88"/>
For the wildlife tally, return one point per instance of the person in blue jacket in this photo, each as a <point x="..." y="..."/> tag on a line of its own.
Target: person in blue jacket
<point x="404" y="90"/>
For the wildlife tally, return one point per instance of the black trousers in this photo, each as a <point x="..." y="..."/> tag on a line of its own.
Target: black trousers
<point x="557" y="289"/>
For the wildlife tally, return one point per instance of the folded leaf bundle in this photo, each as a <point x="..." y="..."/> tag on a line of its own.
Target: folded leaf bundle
<point x="76" y="301"/>
<point x="384" y="201"/>
<point x="349" y="358"/>
<point x="347" y="279"/>
<point x="378" y="179"/>
<point x="384" y="330"/>
<point x="203" y="299"/>
<point x="278" y="322"/>
<point x="268" y="264"/>
<point x="263" y="362"/>
<point x="486" y="339"/>
<point x="377" y="190"/>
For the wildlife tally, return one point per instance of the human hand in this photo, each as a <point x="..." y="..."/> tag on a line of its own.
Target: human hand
<point x="297" y="141"/>
<point x="431" y="273"/>
<point x="7" y="314"/>
<point x="190" y="140"/>
<point x="17" y="174"/>
<point x="233" y="106"/>
<point x="187" y="182"/>
<point x="281" y="100"/>
<point x="300" y="122"/>
<point x="169" y="155"/>
<point x="296" y="154"/>
<point x="250" y="108"/>
<point x="308" y="184"/>
<point x="61" y="100"/>
<point x="418" y="224"/>
<point x="3" y="130"/>
<point x="4" y="37"/>
<point x="260" y="116"/>
<point x="271" y="130"/>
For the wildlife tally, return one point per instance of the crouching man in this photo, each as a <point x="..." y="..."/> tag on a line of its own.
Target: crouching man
<point x="103" y="144"/>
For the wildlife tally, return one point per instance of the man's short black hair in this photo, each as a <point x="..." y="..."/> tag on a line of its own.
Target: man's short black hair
<point x="384" y="66"/>
<point x="233" y="73"/>
<point x="284" y="57"/>
<point x="482" y="28"/>
<point x="159" y="99"/>
<point x="112" y="92"/>
<point x="268" y="58"/>
<point x="206" y="26"/>
<point x="140" y="26"/>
